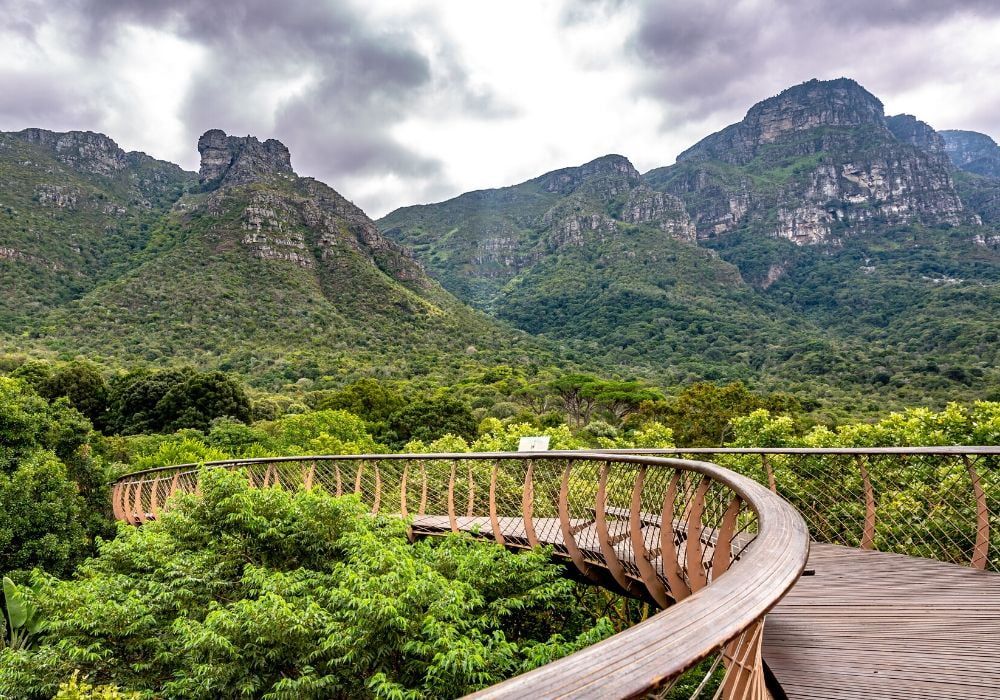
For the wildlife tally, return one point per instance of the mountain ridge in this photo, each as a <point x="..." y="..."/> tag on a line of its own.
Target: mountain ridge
<point x="248" y="264"/>
<point x="814" y="200"/>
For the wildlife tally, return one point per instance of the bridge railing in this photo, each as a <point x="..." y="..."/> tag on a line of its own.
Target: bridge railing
<point x="714" y="549"/>
<point x="936" y="502"/>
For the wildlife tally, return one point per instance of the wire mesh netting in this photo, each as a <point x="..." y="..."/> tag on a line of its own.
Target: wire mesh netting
<point x="658" y="532"/>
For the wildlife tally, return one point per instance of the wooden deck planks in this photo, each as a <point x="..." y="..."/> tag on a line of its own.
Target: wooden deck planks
<point x="865" y="625"/>
<point x="877" y="625"/>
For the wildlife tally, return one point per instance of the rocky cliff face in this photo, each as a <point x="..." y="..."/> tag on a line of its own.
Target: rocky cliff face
<point x="973" y="152"/>
<point x="293" y="219"/>
<point x="83" y="150"/>
<point x="480" y="241"/>
<point x="908" y="129"/>
<point x="816" y="162"/>
<point x="832" y="103"/>
<point x="235" y="160"/>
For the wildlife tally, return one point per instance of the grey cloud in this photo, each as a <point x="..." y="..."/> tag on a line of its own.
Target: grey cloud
<point x="717" y="57"/>
<point x="364" y="77"/>
<point x="35" y="98"/>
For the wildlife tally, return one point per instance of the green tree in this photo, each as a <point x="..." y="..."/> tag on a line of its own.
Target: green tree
<point x="81" y="382"/>
<point x="578" y="393"/>
<point x="201" y="398"/>
<point x="428" y="419"/>
<point x="244" y="592"/>
<point x="167" y="400"/>
<point x="41" y="517"/>
<point x="702" y="414"/>
<point x="53" y="494"/>
<point x="367" y="398"/>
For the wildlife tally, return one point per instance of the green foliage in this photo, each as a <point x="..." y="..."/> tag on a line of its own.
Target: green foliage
<point x="80" y="381"/>
<point x="21" y="617"/>
<point x="170" y="400"/>
<point x="978" y="424"/>
<point x="53" y="497"/>
<point x="74" y="689"/>
<point x="41" y="516"/>
<point x="433" y="417"/>
<point x="70" y="228"/>
<point x="267" y="593"/>
<point x="201" y="398"/>
<point x="702" y="414"/>
<point x="370" y="399"/>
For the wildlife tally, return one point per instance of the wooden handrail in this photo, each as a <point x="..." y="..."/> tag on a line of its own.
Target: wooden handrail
<point x="968" y="507"/>
<point x="733" y="585"/>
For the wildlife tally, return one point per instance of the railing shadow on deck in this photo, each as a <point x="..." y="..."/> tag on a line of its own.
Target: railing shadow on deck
<point x="714" y="549"/>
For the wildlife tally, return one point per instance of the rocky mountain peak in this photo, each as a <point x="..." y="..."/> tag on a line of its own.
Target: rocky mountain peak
<point x="240" y="160"/>
<point x="908" y="129"/>
<point x="840" y="102"/>
<point x="972" y="151"/>
<point x="566" y="180"/>
<point x="87" y="151"/>
<point x="816" y="103"/>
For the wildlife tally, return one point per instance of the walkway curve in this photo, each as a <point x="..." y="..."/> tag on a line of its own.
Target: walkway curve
<point x="715" y="549"/>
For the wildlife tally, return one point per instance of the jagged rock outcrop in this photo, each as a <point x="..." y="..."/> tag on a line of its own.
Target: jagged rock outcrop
<point x="567" y="180"/>
<point x="973" y="152"/>
<point x="240" y="160"/>
<point x="831" y="103"/>
<point x="291" y="218"/>
<point x="645" y="205"/>
<point x="909" y="129"/>
<point x="83" y="150"/>
<point x="818" y="161"/>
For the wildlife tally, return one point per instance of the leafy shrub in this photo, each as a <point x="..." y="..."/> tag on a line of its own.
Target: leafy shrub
<point x="247" y="592"/>
<point x="53" y="498"/>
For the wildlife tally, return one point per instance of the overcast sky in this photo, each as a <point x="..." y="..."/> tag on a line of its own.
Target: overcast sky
<point x="397" y="102"/>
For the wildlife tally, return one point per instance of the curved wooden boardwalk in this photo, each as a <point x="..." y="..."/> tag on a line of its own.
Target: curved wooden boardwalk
<point x="857" y="624"/>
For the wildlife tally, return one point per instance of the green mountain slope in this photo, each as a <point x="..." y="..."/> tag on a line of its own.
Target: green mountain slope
<point x="74" y="209"/>
<point x="816" y="242"/>
<point x="258" y="270"/>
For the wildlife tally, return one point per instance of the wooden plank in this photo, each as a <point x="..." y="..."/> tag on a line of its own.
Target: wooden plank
<point x="878" y="625"/>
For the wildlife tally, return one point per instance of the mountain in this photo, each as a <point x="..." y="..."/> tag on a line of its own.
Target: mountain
<point x="816" y="241"/>
<point x="246" y="266"/>
<point x="594" y="256"/>
<point x="814" y="161"/>
<point x="74" y="209"/>
<point x="972" y="152"/>
<point x="977" y="159"/>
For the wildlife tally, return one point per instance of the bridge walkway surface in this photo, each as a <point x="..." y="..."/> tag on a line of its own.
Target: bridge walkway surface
<point x="870" y="624"/>
<point x="859" y="624"/>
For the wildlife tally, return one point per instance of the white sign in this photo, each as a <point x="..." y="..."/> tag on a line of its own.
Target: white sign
<point x="538" y="443"/>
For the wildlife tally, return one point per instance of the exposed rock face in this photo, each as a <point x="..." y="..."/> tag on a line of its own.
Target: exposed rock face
<point x="647" y="206"/>
<point x="567" y="180"/>
<point x="911" y="130"/>
<point x="295" y="219"/>
<point x="83" y="150"/>
<point x="892" y="190"/>
<point x="817" y="160"/>
<point x="973" y="152"/>
<point x="268" y="224"/>
<point x="235" y="160"/>
<point x="58" y="196"/>
<point x="837" y="103"/>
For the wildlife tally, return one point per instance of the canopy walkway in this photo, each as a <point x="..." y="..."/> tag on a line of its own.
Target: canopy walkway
<point x="716" y="551"/>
